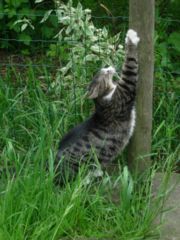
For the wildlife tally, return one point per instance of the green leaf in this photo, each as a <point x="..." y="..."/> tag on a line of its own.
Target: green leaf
<point x="96" y="49"/>
<point x="23" y="27"/>
<point x="25" y="38"/>
<point x="39" y="1"/>
<point x="47" y="32"/>
<point x="46" y="15"/>
<point x="174" y="39"/>
<point x="89" y="57"/>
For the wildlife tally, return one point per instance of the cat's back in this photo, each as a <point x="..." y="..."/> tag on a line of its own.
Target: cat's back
<point x="76" y="134"/>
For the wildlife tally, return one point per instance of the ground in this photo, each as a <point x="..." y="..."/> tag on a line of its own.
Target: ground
<point x="170" y="229"/>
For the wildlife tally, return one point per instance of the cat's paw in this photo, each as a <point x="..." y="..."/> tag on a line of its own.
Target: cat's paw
<point x="132" y="37"/>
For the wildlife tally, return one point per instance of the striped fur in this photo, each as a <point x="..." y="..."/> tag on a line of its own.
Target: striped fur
<point x="109" y="129"/>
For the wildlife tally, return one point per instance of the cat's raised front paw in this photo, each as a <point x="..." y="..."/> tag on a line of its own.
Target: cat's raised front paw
<point x="132" y="37"/>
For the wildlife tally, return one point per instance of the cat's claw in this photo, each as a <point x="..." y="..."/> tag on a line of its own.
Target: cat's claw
<point x="132" y="37"/>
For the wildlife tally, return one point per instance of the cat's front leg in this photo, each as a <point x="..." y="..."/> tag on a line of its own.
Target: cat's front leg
<point x="126" y="90"/>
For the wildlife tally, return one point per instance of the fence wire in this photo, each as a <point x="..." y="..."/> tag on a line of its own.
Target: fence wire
<point x="8" y="64"/>
<point x="46" y="69"/>
<point x="93" y="16"/>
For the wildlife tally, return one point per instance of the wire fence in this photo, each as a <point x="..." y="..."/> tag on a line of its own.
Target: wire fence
<point x="18" y="64"/>
<point x="10" y="62"/>
<point x="93" y="16"/>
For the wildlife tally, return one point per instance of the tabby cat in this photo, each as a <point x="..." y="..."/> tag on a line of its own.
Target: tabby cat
<point x="110" y="127"/>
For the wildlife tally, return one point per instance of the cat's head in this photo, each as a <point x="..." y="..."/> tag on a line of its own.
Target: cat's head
<point x="102" y="83"/>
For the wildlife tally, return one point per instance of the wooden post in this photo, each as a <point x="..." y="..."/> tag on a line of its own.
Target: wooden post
<point x="141" y="19"/>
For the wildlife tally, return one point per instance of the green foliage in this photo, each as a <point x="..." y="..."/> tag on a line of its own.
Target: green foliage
<point x="111" y="9"/>
<point x="36" y="109"/>
<point x="167" y="70"/>
<point x="167" y="35"/>
<point x="20" y="19"/>
<point x="81" y="44"/>
<point x="32" y="118"/>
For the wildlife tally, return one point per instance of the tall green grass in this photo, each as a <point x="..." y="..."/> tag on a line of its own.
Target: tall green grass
<point x="34" y="114"/>
<point x="166" y="115"/>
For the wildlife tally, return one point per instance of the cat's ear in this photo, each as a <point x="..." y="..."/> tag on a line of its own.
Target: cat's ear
<point x="93" y="90"/>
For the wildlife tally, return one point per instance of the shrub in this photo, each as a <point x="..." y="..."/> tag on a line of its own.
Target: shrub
<point x="82" y="45"/>
<point x="20" y="20"/>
